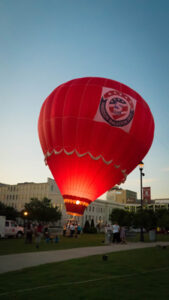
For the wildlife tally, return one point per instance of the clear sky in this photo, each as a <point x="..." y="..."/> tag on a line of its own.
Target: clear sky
<point x="45" y="43"/>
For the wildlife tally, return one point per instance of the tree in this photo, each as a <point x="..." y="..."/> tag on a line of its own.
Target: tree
<point x="145" y="218"/>
<point x="42" y="211"/>
<point x="122" y="217"/>
<point x="92" y="223"/>
<point x="8" y="211"/>
<point x="162" y="216"/>
<point x="86" y="228"/>
<point x="92" y="227"/>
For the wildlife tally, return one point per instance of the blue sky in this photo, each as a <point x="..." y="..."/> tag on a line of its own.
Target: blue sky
<point x="45" y="43"/>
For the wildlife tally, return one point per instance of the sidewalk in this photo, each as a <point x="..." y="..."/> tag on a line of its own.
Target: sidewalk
<point x="25" y="260"/>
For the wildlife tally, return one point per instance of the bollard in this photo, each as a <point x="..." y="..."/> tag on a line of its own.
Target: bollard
<point x="105" y="257"/>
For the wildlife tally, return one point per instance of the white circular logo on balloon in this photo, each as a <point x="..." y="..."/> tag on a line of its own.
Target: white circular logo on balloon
<point x="117" y="108"/>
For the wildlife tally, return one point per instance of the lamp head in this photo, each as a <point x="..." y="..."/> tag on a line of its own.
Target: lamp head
<point x="141" y="165"/>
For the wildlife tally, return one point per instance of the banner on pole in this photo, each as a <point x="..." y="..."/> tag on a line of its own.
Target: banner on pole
<point x="147" y="194"/>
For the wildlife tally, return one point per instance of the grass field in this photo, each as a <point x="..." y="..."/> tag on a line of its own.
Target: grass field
<point x="9" y="246"/>
<point x="135" y="275"/>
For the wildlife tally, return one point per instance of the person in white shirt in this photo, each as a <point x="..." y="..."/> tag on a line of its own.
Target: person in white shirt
<point x="116" y="232"/>
<point x="72" y="230"/>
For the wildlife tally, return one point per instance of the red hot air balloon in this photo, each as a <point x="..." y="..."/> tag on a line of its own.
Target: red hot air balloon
<point x="93" y="132"/>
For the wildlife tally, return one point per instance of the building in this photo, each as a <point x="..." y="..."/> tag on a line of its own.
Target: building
<point x="99" y="211"/>
<point x="162" y="203"/>
<point x="122" y="196"/>
<point x="21" y="193"/>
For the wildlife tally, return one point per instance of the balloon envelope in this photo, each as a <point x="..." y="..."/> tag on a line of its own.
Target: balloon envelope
<point x="93" y="132"/>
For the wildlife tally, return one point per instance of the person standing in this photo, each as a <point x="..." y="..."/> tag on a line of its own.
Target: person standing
<point x="108" y="234"/>
<point x="38" y="234"/>
<point x="64" y="230"/>
<point x="79" y="229"/>
<point x="123" y="235"/>
<point x="116" y="232"/>
<point x="72" y="229"/>
<point x="76" y="230"/>
<point x="28" y="233"/>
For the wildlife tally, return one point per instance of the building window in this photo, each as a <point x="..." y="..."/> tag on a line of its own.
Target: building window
<point x="93" y="208"/>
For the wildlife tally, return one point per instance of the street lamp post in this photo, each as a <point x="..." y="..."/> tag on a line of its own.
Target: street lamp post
<point x="25" y="214"/>
<point x="141" y="165"/>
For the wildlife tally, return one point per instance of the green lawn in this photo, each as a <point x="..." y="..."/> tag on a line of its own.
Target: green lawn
<point x="9" y="246"/>
<point x="159" y="237"/>
<point x="135" y="275"/>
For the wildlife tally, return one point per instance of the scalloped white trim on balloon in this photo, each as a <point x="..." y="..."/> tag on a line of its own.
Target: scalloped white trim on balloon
<point x="83" y="154"/>
<point x="79" y="155"/>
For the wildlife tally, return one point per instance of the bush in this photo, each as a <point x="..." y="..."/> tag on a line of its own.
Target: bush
<point x="89" y="228"/>
<point x="86" y="228"/>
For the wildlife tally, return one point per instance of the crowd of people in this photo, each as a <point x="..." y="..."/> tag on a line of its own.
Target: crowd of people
<point x="115" y="234"/>
<point x="38" y="231"/>
<point x="33" y="230"/>
<point x="71" y="229"/>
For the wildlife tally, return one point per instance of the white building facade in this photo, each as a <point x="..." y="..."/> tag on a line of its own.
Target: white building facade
<point x="21" y="193"/>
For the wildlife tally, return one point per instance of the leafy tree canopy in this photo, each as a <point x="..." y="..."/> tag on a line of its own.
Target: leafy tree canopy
<point x="42" y="211"/>
<point x="10" y="212"/>
<point x="122" y="217"/>
<point x="145" y="218"/>
<point x="162" y="216"/>
<point x="142" y="218"/>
